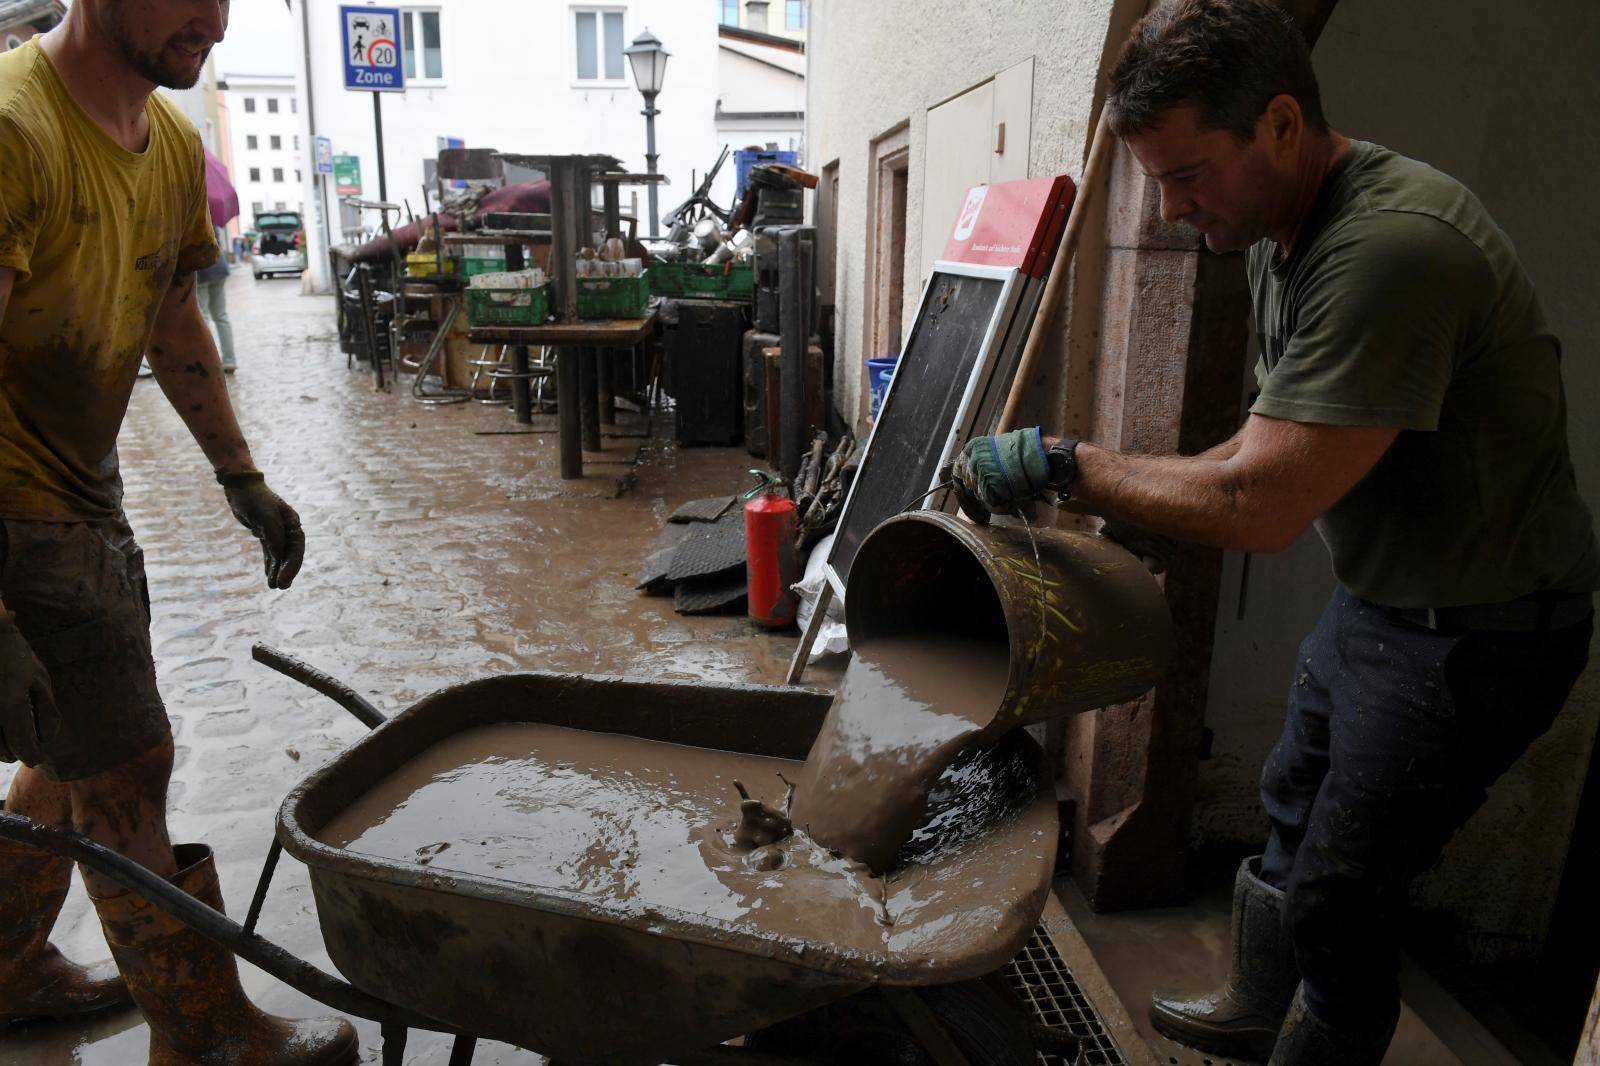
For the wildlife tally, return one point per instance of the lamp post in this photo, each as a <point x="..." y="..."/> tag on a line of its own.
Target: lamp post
<point x="649" y="62"/>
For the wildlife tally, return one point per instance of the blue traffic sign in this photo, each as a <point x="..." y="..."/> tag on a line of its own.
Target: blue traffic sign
<point x="372" y="57"/>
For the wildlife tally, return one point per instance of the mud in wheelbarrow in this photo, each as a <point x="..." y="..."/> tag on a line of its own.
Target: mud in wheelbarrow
<point x="586" y="979"/>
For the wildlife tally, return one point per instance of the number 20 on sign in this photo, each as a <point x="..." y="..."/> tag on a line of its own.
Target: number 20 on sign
<point x="372" y="48"/>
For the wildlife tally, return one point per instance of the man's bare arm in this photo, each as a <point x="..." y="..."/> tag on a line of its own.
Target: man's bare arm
<point x="1256" y="492"/>
<point x="185" y="361"/>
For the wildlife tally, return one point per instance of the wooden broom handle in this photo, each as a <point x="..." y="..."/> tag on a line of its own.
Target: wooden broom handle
<point x="1099" y="154"/>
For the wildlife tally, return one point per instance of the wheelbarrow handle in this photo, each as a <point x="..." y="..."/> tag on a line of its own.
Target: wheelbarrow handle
<point x="327" y="684"/>
<point x="172" y="900"/>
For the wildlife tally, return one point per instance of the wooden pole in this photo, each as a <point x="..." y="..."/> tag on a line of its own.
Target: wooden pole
<point x="1056" y="286"/>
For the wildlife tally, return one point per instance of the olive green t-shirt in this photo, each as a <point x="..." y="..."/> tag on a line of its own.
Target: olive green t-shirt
<point x="1402" y="304"/>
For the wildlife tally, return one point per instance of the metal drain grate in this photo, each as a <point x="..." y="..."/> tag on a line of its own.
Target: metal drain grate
<point x="1039" y="976"/>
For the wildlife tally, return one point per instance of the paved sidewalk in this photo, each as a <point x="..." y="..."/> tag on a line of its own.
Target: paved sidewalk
<point x="420" y="572"/>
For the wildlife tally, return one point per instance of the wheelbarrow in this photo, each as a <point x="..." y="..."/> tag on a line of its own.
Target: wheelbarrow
<point x="588" y="981"/>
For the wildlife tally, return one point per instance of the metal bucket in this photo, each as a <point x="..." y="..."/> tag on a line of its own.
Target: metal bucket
<point x="1086" y="623"/>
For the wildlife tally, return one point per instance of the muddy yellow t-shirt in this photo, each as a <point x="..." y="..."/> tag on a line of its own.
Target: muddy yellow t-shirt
<point x="96" y="234"/>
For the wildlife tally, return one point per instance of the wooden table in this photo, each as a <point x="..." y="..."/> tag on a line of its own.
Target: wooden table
<point x="578" y="374"/>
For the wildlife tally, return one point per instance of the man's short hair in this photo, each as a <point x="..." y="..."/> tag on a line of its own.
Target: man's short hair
<point x="1228" y="58"/>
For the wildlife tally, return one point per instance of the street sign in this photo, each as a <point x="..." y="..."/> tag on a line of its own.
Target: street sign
<point x="347" y="175"/>
<point x="372" y="61"/>
<point x="324" y="147"/>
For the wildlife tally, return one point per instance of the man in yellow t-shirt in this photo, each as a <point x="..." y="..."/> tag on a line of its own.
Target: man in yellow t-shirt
<point x="103" y="223"/>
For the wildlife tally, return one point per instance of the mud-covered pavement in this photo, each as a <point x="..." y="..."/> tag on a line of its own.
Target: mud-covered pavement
<point x="419" y="572"/>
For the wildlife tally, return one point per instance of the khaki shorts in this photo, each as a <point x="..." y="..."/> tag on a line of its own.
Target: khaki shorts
<point x="79" y="595"/>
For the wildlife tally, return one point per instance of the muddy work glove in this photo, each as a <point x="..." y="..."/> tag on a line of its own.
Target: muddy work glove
<point x="28" y="715"/>
<point x="1003" y="471"/>
<point x="274" y="523"/>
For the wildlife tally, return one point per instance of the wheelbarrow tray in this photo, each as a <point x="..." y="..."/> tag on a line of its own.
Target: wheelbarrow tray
<point x="590" y="980"/>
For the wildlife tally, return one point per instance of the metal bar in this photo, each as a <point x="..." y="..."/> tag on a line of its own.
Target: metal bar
<point x="394" y="1044"/>
<point x="613" y="208"/>
<point x="567" y="411"/>
<point x="606" y="380"/>
<point x="802" y="654"/>
<point x="274" y="850"/>
<point x="328" y="685"/>
<point x="172" y="900"/>
<point x="447" y="394"/>
<point x="377" y="126"/>
<point x="589" y="401"/>
<point x="462" y="1050"/>
<point x="521" y="387"/>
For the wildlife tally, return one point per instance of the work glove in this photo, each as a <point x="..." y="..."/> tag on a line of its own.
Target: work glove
<point x="1003" y="471"/>
<point x="28" y="714"/>
<point x="1154" y="550"/>
<point x="274" y="523"/>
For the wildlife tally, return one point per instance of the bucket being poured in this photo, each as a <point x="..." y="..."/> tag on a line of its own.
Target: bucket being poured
<point x="1084" y="622"/>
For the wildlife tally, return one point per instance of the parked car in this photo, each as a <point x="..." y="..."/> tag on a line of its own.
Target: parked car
<point x="280" y="245"/>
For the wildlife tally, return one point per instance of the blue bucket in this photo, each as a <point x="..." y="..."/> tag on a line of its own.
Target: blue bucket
<point x="879" y="371"/>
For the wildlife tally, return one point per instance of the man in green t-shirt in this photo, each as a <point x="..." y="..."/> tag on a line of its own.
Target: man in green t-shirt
<point x="1411" y="409"/>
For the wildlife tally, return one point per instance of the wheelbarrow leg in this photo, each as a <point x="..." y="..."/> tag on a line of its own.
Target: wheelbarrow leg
<point x="462" y="1050"/>
<point x="394" y="1044"/>
<point x="924" y="1025"/>
<point x="262" y="885"/>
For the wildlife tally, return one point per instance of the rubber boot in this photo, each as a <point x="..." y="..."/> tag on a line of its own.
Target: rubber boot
<point x="1242" y="1018"/>
<point x="36" y="981"/>
<point x="1307" y="1040"/>
<point x="187" y="985"/>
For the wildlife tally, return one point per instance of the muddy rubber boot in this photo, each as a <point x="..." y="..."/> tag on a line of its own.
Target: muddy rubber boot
<point x="1242" y="1018"/>
<point x="37" y="983"/>
<point x="1307" y="1040"/>
<point x="187" y="985"/>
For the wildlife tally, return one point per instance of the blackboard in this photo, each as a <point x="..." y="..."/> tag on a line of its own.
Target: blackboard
<point x="961" y="320"/>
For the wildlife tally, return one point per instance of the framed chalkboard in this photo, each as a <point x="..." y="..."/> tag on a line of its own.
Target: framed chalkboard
<point x="928" y="410"/>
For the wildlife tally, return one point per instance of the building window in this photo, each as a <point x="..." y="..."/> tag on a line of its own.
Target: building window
<point x="297" y="142"/>
<point x="279" y="206"/>
<point x="249" y="105"/>
<point x="794" y="17"/>
<point x="277" y="173"/>
<point x="294" y="105"/>
<point x="297" y="177"/>
<point x="598" y="34"/>
<point x="272" y="105"/>
<point x="252" y="142"/>
<point x="728" y="12"/>
<point x="257" y="207"/>
<point x="419" y="43"/>
<point x="255" y="173"/>
<point x="276" y="142"/>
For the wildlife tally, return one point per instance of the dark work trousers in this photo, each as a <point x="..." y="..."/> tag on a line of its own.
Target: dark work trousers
<point x="1393" y="736"/>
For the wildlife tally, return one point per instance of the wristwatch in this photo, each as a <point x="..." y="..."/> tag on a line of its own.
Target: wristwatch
<point x="1062" y="460"/>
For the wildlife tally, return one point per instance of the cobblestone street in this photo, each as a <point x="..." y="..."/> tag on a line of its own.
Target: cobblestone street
<point x="433" y="555"/>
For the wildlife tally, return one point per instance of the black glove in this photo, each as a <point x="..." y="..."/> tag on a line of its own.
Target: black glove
<point x="28" y="714"/>
<point x="1152" y="549"/>
<point x="274" y="523"/>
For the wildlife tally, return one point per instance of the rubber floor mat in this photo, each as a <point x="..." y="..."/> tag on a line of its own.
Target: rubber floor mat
<point x="707" y="510"/>
<point x="709" y="595"/>
<point x="711" y="548"/>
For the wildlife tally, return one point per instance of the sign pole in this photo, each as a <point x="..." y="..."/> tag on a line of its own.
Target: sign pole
<point x="377" y="124"/>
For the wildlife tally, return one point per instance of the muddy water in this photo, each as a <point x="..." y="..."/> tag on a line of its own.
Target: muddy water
<point x="906" y="707"/>
<point x="615" y="818"/>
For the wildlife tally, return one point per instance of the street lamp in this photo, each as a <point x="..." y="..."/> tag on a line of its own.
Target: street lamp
<point x="649" y="62"/>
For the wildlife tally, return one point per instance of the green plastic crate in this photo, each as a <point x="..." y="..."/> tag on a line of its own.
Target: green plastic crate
<point x="473" y="265"/>
<point x="614" y="297"/>
<point x="508" y="307"/>
<point x="727" y="281"/>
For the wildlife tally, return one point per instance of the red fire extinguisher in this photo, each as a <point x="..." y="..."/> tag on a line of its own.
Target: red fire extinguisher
<point x="771" y="565"/>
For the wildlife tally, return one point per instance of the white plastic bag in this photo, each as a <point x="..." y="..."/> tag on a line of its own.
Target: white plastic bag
<point x="831" y="638"/>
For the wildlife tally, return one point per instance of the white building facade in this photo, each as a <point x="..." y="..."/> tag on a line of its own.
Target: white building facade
<point x="268" y="145"/>
<point x="547" y="77"/>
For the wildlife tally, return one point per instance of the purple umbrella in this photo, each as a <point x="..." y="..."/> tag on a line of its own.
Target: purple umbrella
<point x="221" y="196"/>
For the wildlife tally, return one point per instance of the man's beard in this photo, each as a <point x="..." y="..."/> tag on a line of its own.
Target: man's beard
<point x="161" y="66"/>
